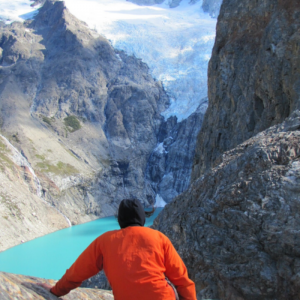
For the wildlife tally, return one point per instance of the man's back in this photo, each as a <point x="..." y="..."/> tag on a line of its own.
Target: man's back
<point x="135" y="259"/>
<point x="134" y="263"/>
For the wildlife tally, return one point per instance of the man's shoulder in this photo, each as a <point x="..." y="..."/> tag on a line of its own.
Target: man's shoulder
<point x="108" y="234"/>
<point x="156" y="233"/>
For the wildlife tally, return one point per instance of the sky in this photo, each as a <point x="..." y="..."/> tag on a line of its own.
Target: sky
<point x="175" y="43"/>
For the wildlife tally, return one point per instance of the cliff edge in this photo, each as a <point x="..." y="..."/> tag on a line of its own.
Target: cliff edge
<point x="253" y="76"/>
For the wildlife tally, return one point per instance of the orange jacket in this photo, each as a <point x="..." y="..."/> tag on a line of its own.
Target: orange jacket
<point x="135" y="260"/>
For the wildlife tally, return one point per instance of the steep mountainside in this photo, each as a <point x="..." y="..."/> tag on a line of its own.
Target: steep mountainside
<point x="24" y="213"/>
<point x="85" y="116"/>
<point x="170" y="164"/>
<point x="236" y="227"/>
<point x="253" y="76"/>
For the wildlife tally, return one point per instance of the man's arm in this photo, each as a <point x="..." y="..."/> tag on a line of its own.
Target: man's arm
<point x="88" y="264"/>
<point x="176" y="272"/>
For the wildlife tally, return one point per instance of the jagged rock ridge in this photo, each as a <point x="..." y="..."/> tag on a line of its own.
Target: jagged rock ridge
<point x="252" y="85"/>
<point x="236" y="227"/>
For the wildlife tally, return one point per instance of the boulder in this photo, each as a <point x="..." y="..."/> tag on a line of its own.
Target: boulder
<point x="25" y="287"/>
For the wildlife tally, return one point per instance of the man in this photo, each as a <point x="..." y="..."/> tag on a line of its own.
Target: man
<point x="135" y="259"/>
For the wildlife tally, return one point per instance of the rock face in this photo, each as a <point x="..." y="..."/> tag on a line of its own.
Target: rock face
<point x="170" y="164"/>
<point x="24" y="288"/>
<point x="252" y="85"/>
<point x="236" y="226"/>
<point x="24" y="213"/>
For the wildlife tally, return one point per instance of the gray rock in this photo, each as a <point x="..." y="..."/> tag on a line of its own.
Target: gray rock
<point x="25" y="287"/>
<point x="169" y="166"/>
<point x="99" y="281"/>
<point x="236" y="227"/>
<point x="253" y="76"/>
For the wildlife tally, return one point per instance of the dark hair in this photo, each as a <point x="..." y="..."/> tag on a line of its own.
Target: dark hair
<point x="146" y="212"/>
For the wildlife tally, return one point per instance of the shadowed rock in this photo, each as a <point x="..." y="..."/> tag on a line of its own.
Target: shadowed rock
<point x="236" y="227"/>
<point x="253" y="75"/>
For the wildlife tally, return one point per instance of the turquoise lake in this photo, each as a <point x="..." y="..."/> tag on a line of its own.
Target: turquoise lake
<point x="49" y="256"/>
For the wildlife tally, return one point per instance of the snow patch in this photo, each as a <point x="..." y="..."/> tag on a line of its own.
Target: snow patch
<point x="159" y="201"/>
<point x="160" y="148"/>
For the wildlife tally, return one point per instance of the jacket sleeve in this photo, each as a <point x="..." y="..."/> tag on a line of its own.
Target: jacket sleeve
<point x="88" y="264"/>
<point x="177" y="273"/>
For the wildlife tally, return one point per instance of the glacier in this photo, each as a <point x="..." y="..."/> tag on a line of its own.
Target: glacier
<point x="176" y="43"/>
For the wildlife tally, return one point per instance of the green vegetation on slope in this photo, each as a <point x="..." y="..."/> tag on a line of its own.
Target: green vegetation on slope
<point x="72" y="123"/>
<point x="47" y="120"/>
<point x="59" y="169"/>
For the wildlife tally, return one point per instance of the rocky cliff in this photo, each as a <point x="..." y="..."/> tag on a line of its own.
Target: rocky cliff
<point x="169" y="166"/>
<point x="236" y="227"/>
<point x="24" y="287"/>
<point x="253" y="76"/>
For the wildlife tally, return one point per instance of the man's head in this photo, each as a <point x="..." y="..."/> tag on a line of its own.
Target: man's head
<point x="131" y="213"/>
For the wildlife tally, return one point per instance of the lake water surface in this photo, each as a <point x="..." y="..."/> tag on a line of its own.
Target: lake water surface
<point x="49" y="256"/>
